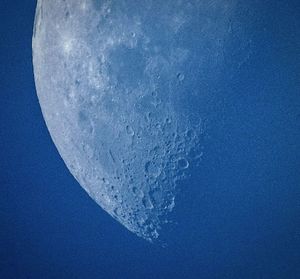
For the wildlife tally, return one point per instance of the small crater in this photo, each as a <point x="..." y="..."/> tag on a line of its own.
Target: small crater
<point x="154" y="94"/>
<point x="152" y="169"/>
<point x="129" y="130"/>
<point x="183" y="163"/>
<point x="147" y="203"/>
<point x="168" y="120"/>
<point x="137" y="192"/>
<point x="134" y="190"/>
<point x="118" y="211"/>
<point x="180" y="76"/>
<point x="156" y="196"/>
<point x="67" y="15"/>
<point x="190" y="134"/>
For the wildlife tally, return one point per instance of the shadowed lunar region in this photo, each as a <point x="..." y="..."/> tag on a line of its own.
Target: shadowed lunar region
<point x="117" y="82"/>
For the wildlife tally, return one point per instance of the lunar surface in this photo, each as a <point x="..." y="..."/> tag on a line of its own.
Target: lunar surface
<point x="122" y="86"/>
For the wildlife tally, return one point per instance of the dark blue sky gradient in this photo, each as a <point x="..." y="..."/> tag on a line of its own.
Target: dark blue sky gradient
<point x="242" y="218"/>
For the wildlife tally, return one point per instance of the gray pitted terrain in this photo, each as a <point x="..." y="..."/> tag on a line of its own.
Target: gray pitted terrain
<point x="117" y="81"/>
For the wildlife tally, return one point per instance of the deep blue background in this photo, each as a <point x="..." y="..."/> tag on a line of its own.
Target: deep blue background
<point x="243" y="213"/>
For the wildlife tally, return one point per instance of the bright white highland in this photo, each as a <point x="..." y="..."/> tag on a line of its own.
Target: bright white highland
<point x="121" y="86"/>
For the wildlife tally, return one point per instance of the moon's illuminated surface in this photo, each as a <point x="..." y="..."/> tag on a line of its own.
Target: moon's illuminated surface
<point x="117" y="82"/>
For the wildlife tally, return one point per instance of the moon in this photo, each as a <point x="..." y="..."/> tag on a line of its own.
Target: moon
<point x="123" y="87"/>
